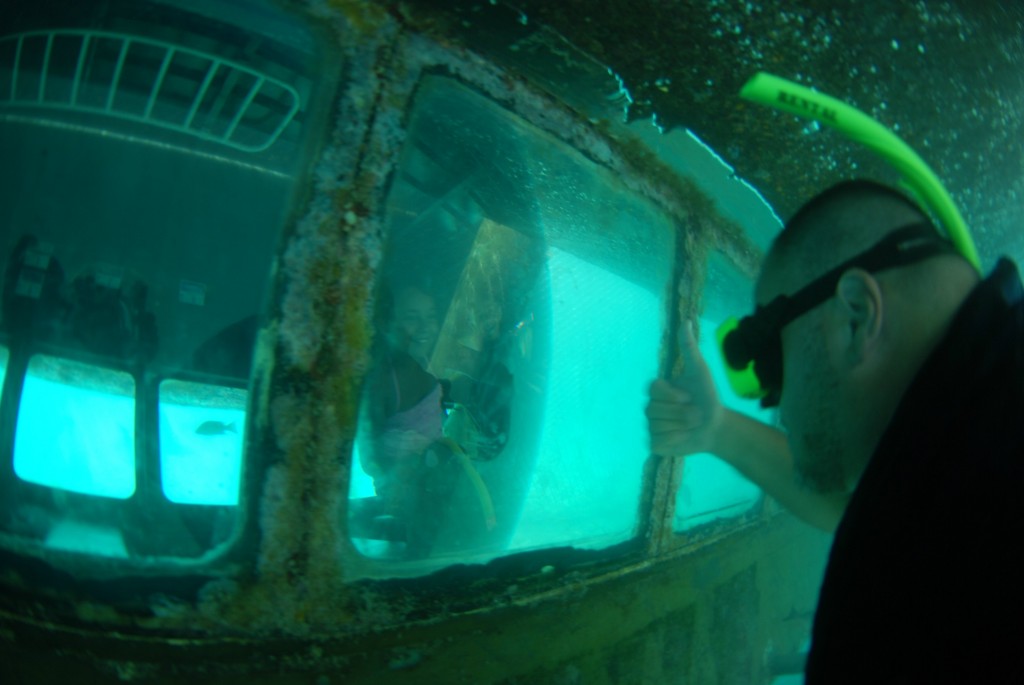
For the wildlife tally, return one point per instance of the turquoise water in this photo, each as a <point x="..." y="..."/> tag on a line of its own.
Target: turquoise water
<point x="587" y="480"/>
<point x="197" y="466"/>
<point x="74" y="437"/>
<point x="76" y="433"/>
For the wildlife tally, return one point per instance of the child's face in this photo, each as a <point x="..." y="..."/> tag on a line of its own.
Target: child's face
<point x="415" y="326"/>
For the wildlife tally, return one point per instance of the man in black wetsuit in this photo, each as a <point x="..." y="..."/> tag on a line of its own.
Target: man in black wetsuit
<point x="900" y="380"/>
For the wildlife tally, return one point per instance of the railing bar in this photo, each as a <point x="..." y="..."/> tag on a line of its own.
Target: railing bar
<point x="285" y="120"/>
<point x="46" y="67"/>
<point x="221" y="101"/>
<point x="116" y="81"/>
<point x="82" y="52"/>
<point x="210" y="72"/>
<point x="159" y="82"/>
<point x="136" y="39"/>
<point x="79" y="83"/>
<point x="245" y="106"/>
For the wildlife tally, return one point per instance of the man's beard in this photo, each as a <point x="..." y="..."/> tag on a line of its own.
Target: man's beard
<point x="821" y="467"/>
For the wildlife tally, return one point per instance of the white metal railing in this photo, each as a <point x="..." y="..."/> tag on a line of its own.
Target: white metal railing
<point x="170" y="86"/>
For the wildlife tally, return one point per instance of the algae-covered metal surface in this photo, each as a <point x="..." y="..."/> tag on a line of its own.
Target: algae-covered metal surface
<point x="703" y="616"/>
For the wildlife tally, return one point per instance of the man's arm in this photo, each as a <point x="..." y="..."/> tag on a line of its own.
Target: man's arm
<point x="685" y="416"/>
<point x="761" y="453"/>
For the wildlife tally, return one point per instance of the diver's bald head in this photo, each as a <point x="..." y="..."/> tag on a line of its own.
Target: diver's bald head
<point x="837" y="224"/>
<point x="848" y="360"/>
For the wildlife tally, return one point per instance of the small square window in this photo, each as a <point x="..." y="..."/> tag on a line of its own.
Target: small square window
<point x="76" y="428"/>
<point x="202" y="430"/>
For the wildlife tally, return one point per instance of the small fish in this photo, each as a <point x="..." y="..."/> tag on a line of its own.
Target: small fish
<point x="215" y="428"/>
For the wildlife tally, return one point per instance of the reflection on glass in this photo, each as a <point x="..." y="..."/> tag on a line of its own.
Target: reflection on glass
<point x="414" y="464"/>
<point x="519" y="313"/>
<point x="201" y="437"/>
<point x="76" y="536"/>
<point x="76" y="428"/>
<point x="710" y="488"/>
<point x="4" y="356"/>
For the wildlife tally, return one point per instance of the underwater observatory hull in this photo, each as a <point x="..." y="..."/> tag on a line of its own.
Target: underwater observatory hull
<point x="264" y="183"/>
<point x="705" y="615"/>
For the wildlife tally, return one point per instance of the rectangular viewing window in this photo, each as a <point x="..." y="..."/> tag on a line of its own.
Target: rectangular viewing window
<point x="202" y="429"/>
<point x="76" y="428"/>
<point x="712" y="489"/>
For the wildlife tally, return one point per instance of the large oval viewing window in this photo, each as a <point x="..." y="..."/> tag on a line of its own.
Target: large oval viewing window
<point x="521" y="304"/>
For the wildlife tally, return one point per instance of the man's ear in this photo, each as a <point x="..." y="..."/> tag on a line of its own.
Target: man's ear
<point x="860" y="314"/>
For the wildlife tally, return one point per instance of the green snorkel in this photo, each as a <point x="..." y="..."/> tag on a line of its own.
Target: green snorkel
<point x="787" y="96"/>
<point x="917" y="175"/>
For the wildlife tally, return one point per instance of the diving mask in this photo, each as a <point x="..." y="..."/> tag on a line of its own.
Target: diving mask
<point x="754" y="343"/>
<point x="752" y="347"/>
